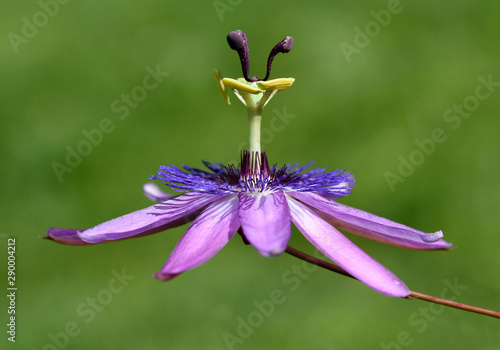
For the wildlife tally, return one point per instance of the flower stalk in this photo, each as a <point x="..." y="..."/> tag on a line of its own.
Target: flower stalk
<point x="255" y="104"/>
<point x="413" y="295"/>
<point x="255" y="119"/>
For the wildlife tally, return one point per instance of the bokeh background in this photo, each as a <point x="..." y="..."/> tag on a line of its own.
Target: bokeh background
<point x="63" y="66"/>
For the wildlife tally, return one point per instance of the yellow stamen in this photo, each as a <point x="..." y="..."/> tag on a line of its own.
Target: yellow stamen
<point x="238" y="85"/>
<point x="276" y="84"/>
<point x="222" y="87"/>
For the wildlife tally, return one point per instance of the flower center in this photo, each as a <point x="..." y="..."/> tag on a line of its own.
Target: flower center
<point x="255" y="175"/>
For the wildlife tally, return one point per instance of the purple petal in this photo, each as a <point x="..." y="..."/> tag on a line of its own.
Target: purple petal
<point x="265" y="220"/>
<point x="66" y="236"/>
<point x="153" y="219"/>
<point x="211" y="230"/>
<point x="371" y="226"/>
<point x="343" y="252"/>
<point x="72" y="236"/>
<point x="155" y="193"/>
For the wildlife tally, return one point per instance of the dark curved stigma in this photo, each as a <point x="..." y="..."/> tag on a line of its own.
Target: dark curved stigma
<point x="238" y="41"/>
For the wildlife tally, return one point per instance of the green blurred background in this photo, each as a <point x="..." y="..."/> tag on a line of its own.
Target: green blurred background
<point x="361" y="111"/>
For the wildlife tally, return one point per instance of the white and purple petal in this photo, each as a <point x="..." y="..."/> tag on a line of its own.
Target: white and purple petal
<point x="155" y="193"/>
<point x="345" y="188"/>
<point x="208" y="234"/>
<point x="343" y="252"/>
<point x="159" y="217"/>
<point x="371" y="226"/>
<point x="265" y="221"/>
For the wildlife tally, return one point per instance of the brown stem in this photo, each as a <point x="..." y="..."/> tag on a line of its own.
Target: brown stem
<point x="451" y="303"/>
<point x="413" y="295"/>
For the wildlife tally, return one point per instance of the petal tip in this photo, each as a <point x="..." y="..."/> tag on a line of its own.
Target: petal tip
<point x="47" y="236"/>
<point x="271" y="253"/>
<point x="396" y="289"/>
<point x="446" y="245"/>
<point x="164" y="276"/>
<point x="64" y="236"/>
<point x="432" y="237"/>
<point x="155" y="193"/>
<point x="400" y="291"/>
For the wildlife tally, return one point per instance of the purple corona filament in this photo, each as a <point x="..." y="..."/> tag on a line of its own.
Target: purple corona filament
<point x="254" y="175"/>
